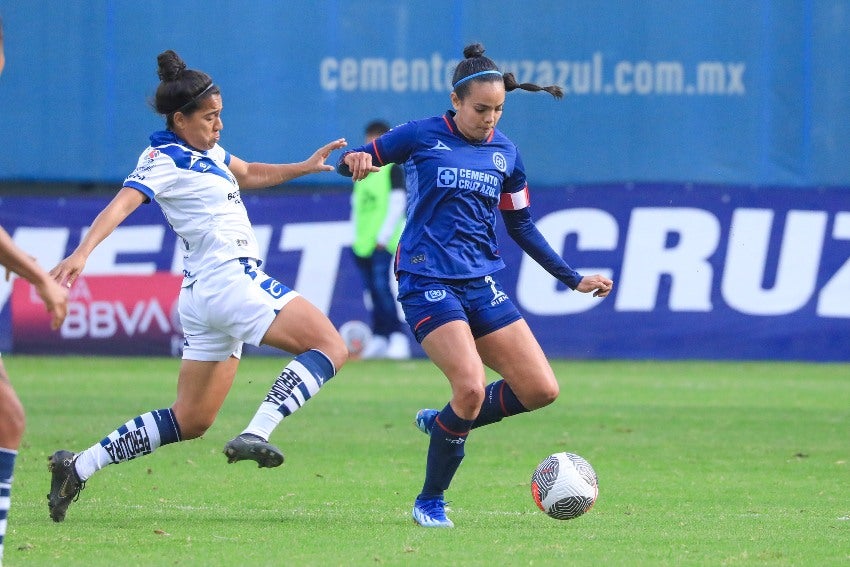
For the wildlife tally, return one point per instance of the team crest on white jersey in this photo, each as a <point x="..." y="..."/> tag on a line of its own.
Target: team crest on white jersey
<point x="441" y="146"/>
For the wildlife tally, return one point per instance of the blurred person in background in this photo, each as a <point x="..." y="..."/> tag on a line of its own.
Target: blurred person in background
<point x="377" y="214"/>
<point x="463" y="170"/>
<point x="226" y="299"/>
<point x="12" y="419"/>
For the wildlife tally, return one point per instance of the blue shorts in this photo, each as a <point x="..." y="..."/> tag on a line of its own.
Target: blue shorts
<point x="431" y="302"/>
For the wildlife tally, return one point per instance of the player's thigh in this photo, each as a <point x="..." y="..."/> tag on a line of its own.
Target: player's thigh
<point x="301" y="326"/>
<point x="202" y="387"/>
<point x="514" y="353"/>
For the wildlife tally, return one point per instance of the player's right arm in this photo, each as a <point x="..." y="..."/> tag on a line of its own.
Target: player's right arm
<point x="394" y="146"/>
<point x="125" y="202"/>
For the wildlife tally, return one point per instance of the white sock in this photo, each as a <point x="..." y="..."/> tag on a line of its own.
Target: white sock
<point x="300" y="380"/>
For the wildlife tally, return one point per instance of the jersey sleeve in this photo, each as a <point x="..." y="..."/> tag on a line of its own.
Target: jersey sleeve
<point x="514" y="204"/>
<point x="515" y="189"/>
<point x="394" y="146"/>
<point x="155" y="172"/>
<point x="521" y="228"/>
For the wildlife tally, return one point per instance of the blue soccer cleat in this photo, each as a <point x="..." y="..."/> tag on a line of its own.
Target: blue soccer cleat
<point x="425" y="420"/>
<point x="431" y="513"/>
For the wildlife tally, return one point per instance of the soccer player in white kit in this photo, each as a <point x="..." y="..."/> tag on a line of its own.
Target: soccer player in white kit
<point x="226" y="298"/>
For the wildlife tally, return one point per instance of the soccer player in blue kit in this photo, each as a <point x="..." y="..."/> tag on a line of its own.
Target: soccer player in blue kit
<point x="460" y="169"/>
<point x="225" y="299"/>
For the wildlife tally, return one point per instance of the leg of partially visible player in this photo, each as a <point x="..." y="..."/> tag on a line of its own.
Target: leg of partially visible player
<point x="11" y="432"/>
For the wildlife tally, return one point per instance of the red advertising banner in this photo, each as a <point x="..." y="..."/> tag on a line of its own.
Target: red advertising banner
<point x="132" y="315"/>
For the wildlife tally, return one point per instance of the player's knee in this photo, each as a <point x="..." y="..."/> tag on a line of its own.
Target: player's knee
<point x="193" y="426"/>
<point x="467" y="400"/>
<point x="336" y="351"/>
<point x="542" y="396"/>
<point x="549" y="394"/>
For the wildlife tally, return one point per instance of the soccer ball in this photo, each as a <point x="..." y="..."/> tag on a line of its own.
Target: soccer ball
<point x="356" y="335"/>
<point x="564" y="486"/>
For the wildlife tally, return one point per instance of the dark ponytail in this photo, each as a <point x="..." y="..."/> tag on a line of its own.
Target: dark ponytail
<point x="180" y="89"/>
<point x="476" y="67"/>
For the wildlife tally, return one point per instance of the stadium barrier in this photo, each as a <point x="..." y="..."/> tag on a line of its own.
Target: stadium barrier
<point x="701" y="272"/>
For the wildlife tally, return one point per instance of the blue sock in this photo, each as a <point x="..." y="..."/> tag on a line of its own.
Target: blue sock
<point x="445" y="452"/>
<point x="499" y="402"/>
<point x="7" y="468"/>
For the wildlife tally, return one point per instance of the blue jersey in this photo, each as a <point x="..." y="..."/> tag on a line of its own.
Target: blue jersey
<point x="454" y="188"/>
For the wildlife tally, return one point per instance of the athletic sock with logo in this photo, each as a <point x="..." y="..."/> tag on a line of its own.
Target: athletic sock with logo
<point x="7" y="468"/>
<point x="499" y="402"/>
<point x="300" y="380"/>
<point x="445" y="451"/>
<point x="140" y="436"/>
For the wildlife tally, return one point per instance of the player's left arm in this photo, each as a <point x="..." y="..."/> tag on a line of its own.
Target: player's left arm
<point x="521" y="228"/>
<point x="256" y="175"/>
<point x="515" y="204"/>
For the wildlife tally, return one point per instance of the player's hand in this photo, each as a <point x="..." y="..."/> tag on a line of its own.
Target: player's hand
<point x="599" y="285"/>
<point x="316" y="162"/>
<point x="360" y="165"/>
<point x="55" y="298"/>
<point x="68" y="270"/>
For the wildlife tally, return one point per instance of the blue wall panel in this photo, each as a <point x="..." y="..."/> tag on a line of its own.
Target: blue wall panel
<point x="745" y="93"/>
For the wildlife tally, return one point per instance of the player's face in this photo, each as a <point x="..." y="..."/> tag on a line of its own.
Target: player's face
<point x="202" y="128"/>
<point x="478" y="113"/>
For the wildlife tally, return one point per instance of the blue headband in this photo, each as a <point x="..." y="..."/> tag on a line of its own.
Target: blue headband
<point x="478" y="74"/>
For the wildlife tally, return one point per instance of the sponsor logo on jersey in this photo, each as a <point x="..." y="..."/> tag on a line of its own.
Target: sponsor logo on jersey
<point x="468" y="180"/>
<point x="446" y="177"/>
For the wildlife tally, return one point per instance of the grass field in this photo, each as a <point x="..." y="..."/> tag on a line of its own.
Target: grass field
<point x="698" y="463"/>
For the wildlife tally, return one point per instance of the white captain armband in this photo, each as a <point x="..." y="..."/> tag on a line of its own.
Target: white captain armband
<point x="515" y="201"/>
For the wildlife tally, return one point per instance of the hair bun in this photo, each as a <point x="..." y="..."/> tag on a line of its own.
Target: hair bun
<point x="473" y="50"/>
<point x="170" y="66"/>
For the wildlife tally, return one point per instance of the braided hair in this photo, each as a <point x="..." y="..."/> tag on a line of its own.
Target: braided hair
<point x="476" y="67"/>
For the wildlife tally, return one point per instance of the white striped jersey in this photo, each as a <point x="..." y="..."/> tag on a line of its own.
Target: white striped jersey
<point x="200" y="198"/>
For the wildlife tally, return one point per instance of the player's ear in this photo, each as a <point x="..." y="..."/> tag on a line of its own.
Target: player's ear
<point x="455" y="100"/>
<point x="179" y="119"/>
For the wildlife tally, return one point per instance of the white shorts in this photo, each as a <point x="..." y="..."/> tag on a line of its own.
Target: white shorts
<point x="236" y="303"/>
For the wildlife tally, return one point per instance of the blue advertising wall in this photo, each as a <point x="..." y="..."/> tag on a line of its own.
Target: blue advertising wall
<point x="700" y="272"/>
<point x="747" y="93"/>
<point x="699" y="155"/>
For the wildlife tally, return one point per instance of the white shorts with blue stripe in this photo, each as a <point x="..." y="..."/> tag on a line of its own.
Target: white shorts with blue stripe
<point x="235" y="304"/>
